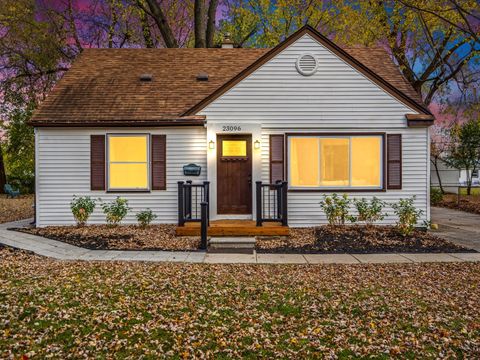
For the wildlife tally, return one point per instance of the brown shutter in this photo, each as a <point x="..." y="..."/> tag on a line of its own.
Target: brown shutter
<point x="97" y="162"/>
<point x="394" y="161"/>
<point x="158" y="162"/>
<point x="276" y="158"/>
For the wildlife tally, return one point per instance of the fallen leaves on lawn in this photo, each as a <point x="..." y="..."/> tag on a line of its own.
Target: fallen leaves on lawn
<point x="15" y="209"/>
<point x="141" y="310"/>
<point x="467" y="203"/>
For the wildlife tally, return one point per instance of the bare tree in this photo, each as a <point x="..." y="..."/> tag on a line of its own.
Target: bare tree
<point x="3" y="177"/>
<point x="156" y="12"/>
<point x="203" y="22"/>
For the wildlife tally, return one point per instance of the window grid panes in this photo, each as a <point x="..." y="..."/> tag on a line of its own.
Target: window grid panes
<point x="330" y="162"/>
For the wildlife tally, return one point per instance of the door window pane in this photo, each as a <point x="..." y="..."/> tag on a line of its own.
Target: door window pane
<point x="334" y="162"/>
<point x="234" y="148"/>
<point x="304" y="161"/>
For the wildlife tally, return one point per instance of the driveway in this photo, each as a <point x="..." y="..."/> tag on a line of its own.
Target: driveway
<point x="457" y="226"/>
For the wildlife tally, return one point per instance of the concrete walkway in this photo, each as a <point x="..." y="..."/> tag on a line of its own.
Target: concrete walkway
<point x="62" y="251"/>
<point x="458" y="227"/>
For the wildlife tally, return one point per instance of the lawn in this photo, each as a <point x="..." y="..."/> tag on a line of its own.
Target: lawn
<point x="475" y="191"/>
<point x="130" y="310"/>
<point x="15" y="209"/>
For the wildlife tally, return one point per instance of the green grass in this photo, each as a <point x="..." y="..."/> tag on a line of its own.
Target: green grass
<point x="132" y="310"/>
<point x="474" y="191"/>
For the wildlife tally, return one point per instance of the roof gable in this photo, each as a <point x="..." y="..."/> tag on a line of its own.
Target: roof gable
<point x="379" y="70"/>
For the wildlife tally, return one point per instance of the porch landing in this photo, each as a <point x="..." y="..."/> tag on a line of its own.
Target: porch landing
<point x="234" y="228"/>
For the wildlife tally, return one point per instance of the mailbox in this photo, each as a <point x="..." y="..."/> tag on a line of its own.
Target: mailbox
<point x="192" y="170"/>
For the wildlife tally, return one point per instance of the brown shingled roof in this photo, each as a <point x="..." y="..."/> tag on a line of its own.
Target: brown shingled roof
<point x="103" y="87"/>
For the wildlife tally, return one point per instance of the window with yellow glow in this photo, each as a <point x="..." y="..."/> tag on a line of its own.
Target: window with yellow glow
<point x="234" y="148"/>
<point x="366" y="161"/>
<point x="335" y="161"/>
<point x="304" y="164"/>
<point x="128" y="162"/>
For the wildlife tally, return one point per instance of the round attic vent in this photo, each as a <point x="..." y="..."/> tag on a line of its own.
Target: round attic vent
<point x="306" y="64"/>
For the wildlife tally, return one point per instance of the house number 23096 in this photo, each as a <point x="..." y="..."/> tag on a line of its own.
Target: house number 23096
<point x="231" y="128"/>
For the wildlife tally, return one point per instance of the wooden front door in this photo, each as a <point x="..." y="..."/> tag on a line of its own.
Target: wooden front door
<point x="234" y="174"/>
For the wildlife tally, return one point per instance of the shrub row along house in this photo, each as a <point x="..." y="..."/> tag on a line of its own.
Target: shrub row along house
<point x="320" y="118"/>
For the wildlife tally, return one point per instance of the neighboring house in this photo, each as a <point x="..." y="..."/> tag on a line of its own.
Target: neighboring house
<point x="449" y="177"/>
<point x="124" y="122"/>
<point x="464" y="175"/>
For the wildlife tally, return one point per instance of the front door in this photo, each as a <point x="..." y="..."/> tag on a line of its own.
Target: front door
<point x="234" y="174"/>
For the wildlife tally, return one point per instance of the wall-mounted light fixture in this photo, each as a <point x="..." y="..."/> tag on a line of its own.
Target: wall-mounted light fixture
<point x="211" y="145"/>
<point x="256" y="144"/>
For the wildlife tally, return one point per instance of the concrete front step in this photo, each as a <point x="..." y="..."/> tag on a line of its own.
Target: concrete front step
<point x="240" y="245"/>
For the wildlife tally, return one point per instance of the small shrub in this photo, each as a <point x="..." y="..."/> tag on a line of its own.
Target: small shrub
<point x="407" y="214"/>
<point x="145" y="217"/>
<point x="336" y="208"/>
<point x="115" y="211"/>
<point x="82" y="207"/>
<point x="369" y="211"/>
<point x="436" y="196"/>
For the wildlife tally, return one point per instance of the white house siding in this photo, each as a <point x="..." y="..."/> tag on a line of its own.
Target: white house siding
<point x="336" y="98"/>
<point x="63" y="170"/>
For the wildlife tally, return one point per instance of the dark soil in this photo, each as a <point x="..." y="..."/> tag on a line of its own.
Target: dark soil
<point x="356" y="240"/>
<point x="122" y="237"/>
<point x="323" y="239"/>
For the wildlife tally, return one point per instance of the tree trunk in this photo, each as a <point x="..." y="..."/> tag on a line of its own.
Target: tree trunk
<point x="3" y="177"/>
<point x="212" y="11"/>
<point x="200" y="32"/>
<point x="162" y="24"/>
<point x="435" y="164"/>
<point x="469" y="181"/>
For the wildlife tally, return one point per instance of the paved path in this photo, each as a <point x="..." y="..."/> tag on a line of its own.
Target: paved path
<point x="62" y="251"/>
<point x="457" y="226"/>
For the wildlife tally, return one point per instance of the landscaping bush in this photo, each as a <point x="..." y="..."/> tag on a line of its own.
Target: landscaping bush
<point x="407" y="214"/>
<point x="436" y="196"/>
<point x="145" y="217"/>
<point x="115" y="211"/>
<point x="82" y="207"/>
<point x="336" y="208"/>
<point x="369" y="211"/>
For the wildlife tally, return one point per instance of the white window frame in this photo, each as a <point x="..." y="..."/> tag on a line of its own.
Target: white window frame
<point x="110" y="189"/>
<point x="349" y="136"/>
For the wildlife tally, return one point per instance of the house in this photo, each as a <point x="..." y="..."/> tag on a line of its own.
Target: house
<point x="324" y="119"/>
<point x="447" y="175"/>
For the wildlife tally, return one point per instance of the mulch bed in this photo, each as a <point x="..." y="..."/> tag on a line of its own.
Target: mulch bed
<point x="356" y="240"/>
<point x="15" y="209"/>
<point x="469" y="204"/>
<point x="122" y="237"/>
<point x="323" y="239"/>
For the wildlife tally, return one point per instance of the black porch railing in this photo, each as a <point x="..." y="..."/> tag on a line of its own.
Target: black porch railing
<point x="271" y="201"/>
<point x="190" y="198"/>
